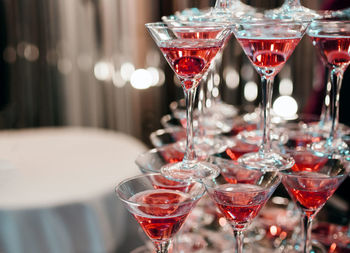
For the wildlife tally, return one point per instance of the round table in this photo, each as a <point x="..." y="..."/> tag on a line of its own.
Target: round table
<point x="57" y="189"/>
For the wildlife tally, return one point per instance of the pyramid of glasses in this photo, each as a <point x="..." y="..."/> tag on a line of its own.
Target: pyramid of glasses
<point x="238" y="159"/>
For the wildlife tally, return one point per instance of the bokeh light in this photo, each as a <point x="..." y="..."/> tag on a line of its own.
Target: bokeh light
<point x="250" y="91"/>
<point x="286" y="107"/>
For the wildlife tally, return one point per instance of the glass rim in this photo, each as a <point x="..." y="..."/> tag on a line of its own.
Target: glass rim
<point x="190" y="25"/>
<point x="288" y="174"/>
<point x="149" y="175"/>
<point x="155" y="151"/>
<point x="213" y="185"/>
<point x="267" y="21"/>
<point x="330" y="21"/>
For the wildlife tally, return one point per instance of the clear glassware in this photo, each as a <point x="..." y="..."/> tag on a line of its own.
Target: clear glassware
<point x="268" y="44"/>
<point x="210" y="105"/>
<point x="241" y="194"/>
<point x="311" y="182"/>
<point x="292" y="9"/>
<point x="160" y="211"/>
<point x="332" y="40"/>
<point x="189" y="50"/>
<point x="166" y="136"/>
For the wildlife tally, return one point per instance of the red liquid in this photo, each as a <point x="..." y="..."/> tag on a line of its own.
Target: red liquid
<point x="239" y="176"/>
<point x="270" y="54"/>
<point x="302" y="140"/>
<point x="160" y="182"/>
<point x="240" y="203"/>
<point x="165" y="213"/>
<point x="334" y="50"/>
<point x="307" y="161"/>
<point x="239" y="149"/>
<point x="171" y="154"/>
<point x="312" y="190"/>
<point x="236" y="129"/>
<point x="190" y="59"/>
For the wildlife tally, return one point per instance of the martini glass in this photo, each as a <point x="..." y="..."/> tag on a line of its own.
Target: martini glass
<point x="189" y="50"/>
<point x="240" y="194"/>
<point x="268" y="45"/>
<point x="160" y="212"/>
<point x="311" y="182"/>
<point x="332" y="39"/>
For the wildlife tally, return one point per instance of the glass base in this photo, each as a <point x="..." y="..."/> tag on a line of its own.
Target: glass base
<point x="223" y="109"/>
<point x="190" y="171"/>
<point x="255" y="136"/>
<point x="292" y="12"/>
<point x="337" y="147"/>
<point x="268" y="161"/>
<point x="290" y="246"/>
<point x="210" y="145"/>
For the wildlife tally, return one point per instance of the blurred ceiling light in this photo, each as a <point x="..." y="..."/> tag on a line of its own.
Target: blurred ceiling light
<point x="84" y="62"/>
<point x="31" y="52"/>
<point x="117" y="79"/>
<point x="209" y="83"/>
<point x="286" y="87"/>
<point x="161" y="77"/>
<point x="9" y="54"/>
<point x="64" y="66"/>
<point x="20" y="48"/>
<point x="103" y="71"/>
<point x="215" y="92"/>
<point x="286" y="107"/>
<point x="154" y="74"/>
<point x="216" y="79"/>
<point x="247" y="72"/>
<point x="250" y="91"/>
<point x="126" y="70"/>
<point x="231" y="78"/>
<point x="141" y="79"/>
<point x="327" y="100"/>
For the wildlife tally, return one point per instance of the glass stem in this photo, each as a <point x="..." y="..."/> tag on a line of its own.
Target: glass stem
<point x="266" y="84"/>
<point x="336" y="80"/>
<point x="292" y="3"/>
<point x="238" y="234"/>
<point x="190" y="95"/>
<point x="162" y="247"/>
<point x="222" y="4"/>
<point x="306" y="228"/>
<point x="325" y="117"/>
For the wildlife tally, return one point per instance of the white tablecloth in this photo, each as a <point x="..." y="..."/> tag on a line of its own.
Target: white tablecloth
<point x="57" y="189"/>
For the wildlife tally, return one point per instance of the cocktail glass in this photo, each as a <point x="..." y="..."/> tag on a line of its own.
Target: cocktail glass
<point x="240" y="194"/>
<point x="311" y="182"/>
<point x="268" y="45"/>
<point x="189" y="50"/>
<point x="332" y="39"/>
<point x="160" y="212"/>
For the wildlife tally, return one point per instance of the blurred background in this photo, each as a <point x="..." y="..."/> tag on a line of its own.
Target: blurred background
<point x="91" y="63"/>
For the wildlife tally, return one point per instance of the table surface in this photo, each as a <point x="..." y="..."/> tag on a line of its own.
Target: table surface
<point x="56" y="166"/>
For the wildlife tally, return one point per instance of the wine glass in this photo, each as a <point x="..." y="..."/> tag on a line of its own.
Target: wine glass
<point x="268" y="44"/>
<point x="160" y="212"/>
<point x="240" y="193"/>
<point x="332" y="39"/>
<point x="311" y="182"/>
<point x="189" y="50"/>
